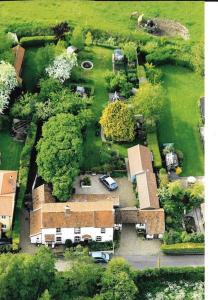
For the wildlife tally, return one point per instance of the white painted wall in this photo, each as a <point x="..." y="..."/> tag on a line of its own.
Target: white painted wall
<point x="68" y="233"/>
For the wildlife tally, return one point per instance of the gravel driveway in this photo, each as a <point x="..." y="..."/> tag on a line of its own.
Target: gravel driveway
<point x="125" y="191"/>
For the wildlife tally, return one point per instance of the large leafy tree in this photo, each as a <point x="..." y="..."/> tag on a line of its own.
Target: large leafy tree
<point x="117" y="282"/>
<point x="149" y="101"/>
<point x="17" y="278"/>
<point x="60" y="153"/>
<point x="118" y="123"/>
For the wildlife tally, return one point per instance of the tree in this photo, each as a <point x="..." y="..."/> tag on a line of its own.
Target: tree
<point x="48" y="86"/>
<point x="118" y="123"/>
<point x="45" y="295"/>
<point x="24" y="107"/>
<point x="61" y="67"/>
<point x="17" y="278"/>
<point x="153" y="74"/>
<point x="44" y="56"/>
<point x="5" y="48"/>
<point x="60" y="153"/>
<point x="118" y="82"/>
<point x="149" y="101"/>
<point x="78" y="38"/>
<point x="8" y="81"/>
<point x="129" y="50"/>
<point x="196" y="195"/>
<point x="60" y="29"/>
<point x="88" y="39"/>
<point x="117" y="282"/>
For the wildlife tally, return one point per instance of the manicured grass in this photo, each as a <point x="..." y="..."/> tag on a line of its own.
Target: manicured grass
<point x="10" y="150"/>
<point x="181" y="115"/>
<point x="111" y="16"/>
<point x="29" y="69"/>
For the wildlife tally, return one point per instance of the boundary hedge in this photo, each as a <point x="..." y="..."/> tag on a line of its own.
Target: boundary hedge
<point x="183" y="248"/>
<point x="35" y="41"/>
<point x="153" y="145"/>
<point x="22" y="180"/>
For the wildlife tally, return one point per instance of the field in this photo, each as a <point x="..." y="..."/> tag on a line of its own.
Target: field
<point x="10" y="150"/>
<point x="112" y="17"/>
<point x="181" y="116"/>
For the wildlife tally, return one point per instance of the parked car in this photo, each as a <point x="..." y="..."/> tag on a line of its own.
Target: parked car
<point x="100" y="257"/>
<point x="109" y="182"/>
<point x="118" y="54"/>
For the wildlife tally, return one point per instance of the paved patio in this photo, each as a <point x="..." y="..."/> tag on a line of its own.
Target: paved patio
<point x="125" y="190"/>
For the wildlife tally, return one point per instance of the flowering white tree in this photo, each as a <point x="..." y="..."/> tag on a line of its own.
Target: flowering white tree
<point x="8" y="82"/>
<point x="62" y="66"/>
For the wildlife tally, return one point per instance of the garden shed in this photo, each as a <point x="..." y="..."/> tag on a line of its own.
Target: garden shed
<point x="19" y="57"/>
<point x="171" y="161"/>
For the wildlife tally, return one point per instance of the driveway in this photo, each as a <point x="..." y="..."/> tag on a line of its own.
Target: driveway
<point x="124" y="191"/>
<point x="131" y="244"/>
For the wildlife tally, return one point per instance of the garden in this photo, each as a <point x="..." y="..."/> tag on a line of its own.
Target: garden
<point x="84" y="105"/>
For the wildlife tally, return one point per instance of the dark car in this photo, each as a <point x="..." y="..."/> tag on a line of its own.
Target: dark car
<point x="109" y="182"/>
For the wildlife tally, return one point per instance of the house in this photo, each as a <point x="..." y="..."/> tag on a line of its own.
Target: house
<point x="141" y="171"/>
<point x="8" y="183"/>
<point x="19" y="56"/>
<point x="54" y="222"/>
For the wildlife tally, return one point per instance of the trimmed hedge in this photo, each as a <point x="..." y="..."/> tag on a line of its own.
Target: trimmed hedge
<point x="183" y="248"/>
<point x="22" y="180"/>
<point x="100" y="246"/>
<point x="154" y="147"/>
<point x="30" y="29"/>
<point x="35" y="41"/>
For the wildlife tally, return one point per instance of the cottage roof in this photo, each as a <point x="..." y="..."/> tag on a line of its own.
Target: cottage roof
<point x="139" y="159"/>
<point x="140" y="165"/>
<point x="96" y="197"/>
<point x="153" y="219"/>
<point x="8" y="180"/>
<point x="49" y="214"/>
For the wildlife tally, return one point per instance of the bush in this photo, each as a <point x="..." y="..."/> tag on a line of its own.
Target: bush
<point x="100" y="246"/>
<point x="153" y="74"/>
<point x="174" y="237"/>
<point x="163" y="178"/>
<point x="22" y="180"/>
<point x="30" y="29"/>
<point x="154" y="147"/>
<point x="183" y="248"/>
<point x="68" y="243"/>
<point x="36" y="41"/>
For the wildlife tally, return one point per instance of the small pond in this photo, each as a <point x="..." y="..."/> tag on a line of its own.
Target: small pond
<point x="87" y="65"/>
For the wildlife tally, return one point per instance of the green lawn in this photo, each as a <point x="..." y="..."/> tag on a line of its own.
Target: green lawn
<point x="106" y="15"/>
<point x="181" y="116"/>
<point x="10" y="150"/>
<point x="29" y="70"/>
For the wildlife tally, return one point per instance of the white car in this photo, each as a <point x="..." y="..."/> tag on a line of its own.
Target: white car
<point x="109" y="182"/>
<point x="100" y="257"/>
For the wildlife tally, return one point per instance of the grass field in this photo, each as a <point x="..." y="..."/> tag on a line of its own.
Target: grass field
<point x="107" y="15"/>
<point x="10" y="150"/>
<point x="181" y="116"/>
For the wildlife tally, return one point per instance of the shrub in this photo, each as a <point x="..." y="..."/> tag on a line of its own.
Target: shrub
<point x="154" y="147"/>
<point x="22" y="180"/>
<point x="183" y="248"/>
<point x="68" y="243"/>
<point x="163" y="178"/>
<point x="100" y="246"/>
<point x="86" y="180"/>
<point x="153" y="74"/>
<point x="36" y="41"/>
<point x="118" y="82"/>
<point x="129" y="50"/>
<point x="30" y="29"/>
<point x="141" y="72"/>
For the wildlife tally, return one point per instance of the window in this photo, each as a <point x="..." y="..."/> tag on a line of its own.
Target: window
<point x="58" y="230"/>
<point x="77" y="230"/>
<point x="103" y="230"/>
<point x="77" y="239"/>
<point x="3" y="217"/>
<point x="4" y="226"/>
<point x="58" y="239"/>
<point x="98" y="238"/>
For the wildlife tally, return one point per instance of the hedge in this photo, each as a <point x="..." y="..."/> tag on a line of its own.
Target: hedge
<point x="183" y="248"/>
<point x="100" y="246"/>
<point x="151" y="277"/>
<point x="22" y="180"/>
<point x="154" y="147"/>
<point x="35" y="41"/>
<point x="30" y="29"/>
